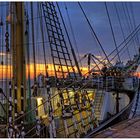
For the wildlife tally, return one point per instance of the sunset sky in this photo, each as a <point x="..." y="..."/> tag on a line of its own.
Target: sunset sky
<point x="85" y="42"/>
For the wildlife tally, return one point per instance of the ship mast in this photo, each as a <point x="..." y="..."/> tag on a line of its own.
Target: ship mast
<point x="18" y="57"/>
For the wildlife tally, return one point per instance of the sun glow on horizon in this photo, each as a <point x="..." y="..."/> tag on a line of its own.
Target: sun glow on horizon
<point x="6" y="70"/>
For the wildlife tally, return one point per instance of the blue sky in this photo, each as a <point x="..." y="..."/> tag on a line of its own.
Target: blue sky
<point x="97" y="15"/>
<point x="98" y="18"/>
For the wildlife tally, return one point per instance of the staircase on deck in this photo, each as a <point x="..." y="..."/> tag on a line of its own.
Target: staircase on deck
<point x="99" y="98"/>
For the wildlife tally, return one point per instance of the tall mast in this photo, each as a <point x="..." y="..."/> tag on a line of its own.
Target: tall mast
<point x="17" y="34"/>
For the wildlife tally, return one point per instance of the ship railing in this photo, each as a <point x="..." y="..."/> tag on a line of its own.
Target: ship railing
<point x="119" y="83"/>
<point x="110" y="84"/>
<point x="98" y="82"/>
<point x="104" y="82"/>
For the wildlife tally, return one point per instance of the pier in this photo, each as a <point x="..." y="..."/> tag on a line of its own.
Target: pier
<point x="126" y="129"/>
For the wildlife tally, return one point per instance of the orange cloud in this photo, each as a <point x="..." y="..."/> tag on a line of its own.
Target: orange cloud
<point x="6" y="71"/>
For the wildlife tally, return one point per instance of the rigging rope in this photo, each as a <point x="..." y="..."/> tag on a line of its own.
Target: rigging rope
<point x="1" y="43"/>
<point x="96" y="64"/>
<point x="42" y="36"/>
<point x="133" y="33"/>
<point x="121" y="28"/>
<point x="126" y="43"/>
<point x="134" y="22"/>
<point x="94" y="34"/>
<point x="112" y="31"/>
<point x="1" y="63"/>
<point x="7" y="49"/>
<point x="128" y="22"/>
<point x="33" y="41"/>
<point x="7" y="52"/>
<point x="36" y="25"/>
<point x="72" y="31"/>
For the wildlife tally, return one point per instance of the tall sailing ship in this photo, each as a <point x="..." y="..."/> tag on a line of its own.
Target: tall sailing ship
<point x="61" y="100"/>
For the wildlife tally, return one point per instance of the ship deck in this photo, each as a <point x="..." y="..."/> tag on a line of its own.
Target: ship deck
<point x="126" y="129"/>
